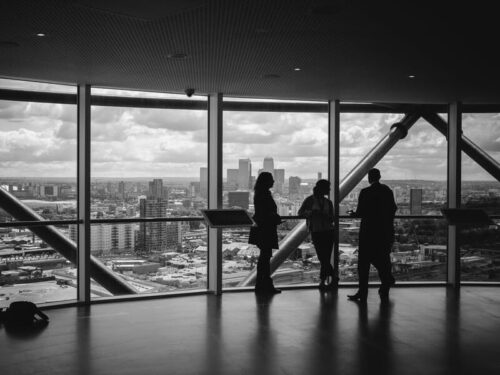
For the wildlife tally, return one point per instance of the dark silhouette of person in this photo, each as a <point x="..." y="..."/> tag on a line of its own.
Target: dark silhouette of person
<point x="318" y="211"/>
<point x="264" y="234"/>
<point x="376" y="208"/>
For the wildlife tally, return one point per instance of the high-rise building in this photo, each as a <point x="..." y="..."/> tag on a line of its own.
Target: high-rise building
<point x="121" y="189"/>
<point x="156" y="189"/>
<point x="232" y="179"/>
<point x="415" y="201"/>
<point x="244" y="174"/>
<point x="238" y="199"/>
<point x="152" y="236"/>
<point x="173" y="235"/>
<point x="268" y="165"/>
<point x="279" y="180"/>
<point x="204" y="182"/>
<point x="320" y="175"/>
<point x="294" y="185"/>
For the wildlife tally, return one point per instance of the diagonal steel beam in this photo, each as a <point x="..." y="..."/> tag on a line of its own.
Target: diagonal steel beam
<point x="299" y="233"/>
<point x="67" y="248"/>
<point x="475" y="152"/>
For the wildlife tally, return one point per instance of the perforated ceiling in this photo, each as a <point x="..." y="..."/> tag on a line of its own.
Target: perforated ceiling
<point x="350" y="50"/>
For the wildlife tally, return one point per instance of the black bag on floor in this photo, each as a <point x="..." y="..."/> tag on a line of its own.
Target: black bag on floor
<point x="23" y="314"/>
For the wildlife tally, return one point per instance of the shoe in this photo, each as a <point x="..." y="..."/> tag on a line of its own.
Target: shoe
<point x="271" y="290"/>
<point x="358" y="297"/>
<point x="384" y="294"/>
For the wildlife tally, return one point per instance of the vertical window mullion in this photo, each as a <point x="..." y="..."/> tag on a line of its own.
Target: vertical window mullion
<point x="83" y="175"/>
<point x="215" y="190"/>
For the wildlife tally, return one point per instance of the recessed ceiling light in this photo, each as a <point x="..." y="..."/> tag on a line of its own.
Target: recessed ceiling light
<point x="41" y="35"/>
<point x="177" y="56"/>
<point x="411" y="76"/>
<point x="297" y="69"/>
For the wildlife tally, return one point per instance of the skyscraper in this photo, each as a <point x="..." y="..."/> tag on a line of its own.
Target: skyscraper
<point x="415" y="201"/>
<point x="294" y="185"/>
<point x="232" y="179"/>
<point x="244" y="174"/>
<point x="121" y="189"/>
<point x="156" y="189"/>
<point x="279" y="180"/>
<point x="204" y="182"/>
<point x="152" y="236"/>
<point x="268" y="165"/>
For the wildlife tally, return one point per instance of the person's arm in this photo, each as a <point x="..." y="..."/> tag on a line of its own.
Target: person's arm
<point x="361" y="206"/>
<point x="305" y="210"/>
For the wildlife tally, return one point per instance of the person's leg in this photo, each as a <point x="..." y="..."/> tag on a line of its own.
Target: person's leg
<point x="363" y="274"/>
<point x="264" y="282"/>
<point x="263" y="269"/>
<point x="384" y="267"/>
<point x="319" y="245"/>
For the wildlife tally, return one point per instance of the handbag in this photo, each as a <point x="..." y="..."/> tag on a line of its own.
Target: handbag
<point x="254" y="235"/>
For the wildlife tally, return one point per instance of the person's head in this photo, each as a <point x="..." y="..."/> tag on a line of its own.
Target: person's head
<point x="322" y="188"/>
<point x="264" y="181"/>
<point x="373" y="175"/>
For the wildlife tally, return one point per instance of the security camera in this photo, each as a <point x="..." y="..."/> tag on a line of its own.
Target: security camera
<point x="189" y="92"/>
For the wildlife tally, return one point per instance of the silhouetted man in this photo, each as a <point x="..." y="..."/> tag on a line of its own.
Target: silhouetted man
<point x="376" y="208"/>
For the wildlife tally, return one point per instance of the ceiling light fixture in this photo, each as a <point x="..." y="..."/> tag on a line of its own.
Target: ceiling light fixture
<point x="411" y="76"/>
<point x="41" y="35"/>
<point x="297" y="69"/>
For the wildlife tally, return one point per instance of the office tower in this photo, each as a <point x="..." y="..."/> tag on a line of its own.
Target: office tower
<point x="174" y="235"/>
<point x="156" y="189"/>
<point x="238" y="199"/>
<point x="232" y="179"/>
<point x="294" y="185"/>
<point x="415" y="201"/>
<point x="268" y="165"/>
<point x="194" y="189"/>
<point x="279" y="180"/>
<point x="152" y="236"/>
<point x="244" y="174"/>
<point x="320" y="175"/>
<point x="204" y="182"/>
<point x="121" y="189"/>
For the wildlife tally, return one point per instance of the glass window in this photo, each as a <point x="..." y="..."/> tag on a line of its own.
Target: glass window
<point x="34" y="270"/>
<point x="480" y="255"/>
<point x="294" y="148"/>
<point x="38" y="157"/>
<point x="148" y="163"/>
<point x="418" y="190"/>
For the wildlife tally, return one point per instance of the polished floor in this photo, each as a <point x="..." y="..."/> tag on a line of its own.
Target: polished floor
<point x="420" y="331"/>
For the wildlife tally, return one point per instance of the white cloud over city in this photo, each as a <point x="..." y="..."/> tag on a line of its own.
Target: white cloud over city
<point x="39" y="140"/>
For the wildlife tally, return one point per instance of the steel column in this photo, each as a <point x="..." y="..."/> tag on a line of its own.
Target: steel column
<point x="63" y="245"/>
<point x="333" y="174"/>
<point x="472" y="150"/>
<point x="454" y="187"/>
<point x="215" y="191"/>
<point x="83" y="178"/>
<point x="295" y="237"/>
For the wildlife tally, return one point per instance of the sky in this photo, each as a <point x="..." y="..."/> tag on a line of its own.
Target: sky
<point x="39" y="140"/>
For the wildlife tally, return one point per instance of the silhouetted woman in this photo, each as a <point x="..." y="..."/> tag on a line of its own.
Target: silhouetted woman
<point x="318" y="211"/>
<point x="264" y="234"/>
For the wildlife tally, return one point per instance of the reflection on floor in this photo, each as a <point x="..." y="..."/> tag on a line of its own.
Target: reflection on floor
<point x="420" y="331"/>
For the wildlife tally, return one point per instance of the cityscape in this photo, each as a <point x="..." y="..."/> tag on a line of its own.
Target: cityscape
<point x="156" y="257"/>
